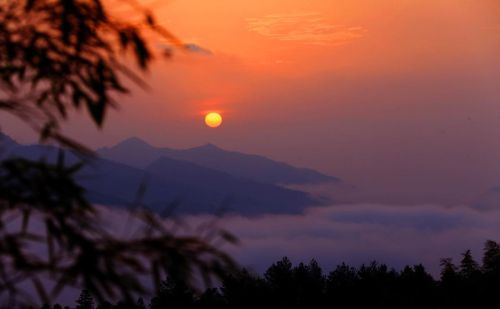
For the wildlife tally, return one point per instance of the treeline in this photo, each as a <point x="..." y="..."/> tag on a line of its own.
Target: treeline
<point x="467" y="284"/>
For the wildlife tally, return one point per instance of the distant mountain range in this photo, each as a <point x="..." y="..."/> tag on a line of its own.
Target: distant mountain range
<point x="135" y="152"/>
<point x="205" y="179"/>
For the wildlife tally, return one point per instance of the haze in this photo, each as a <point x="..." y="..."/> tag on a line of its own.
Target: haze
<point x="398" y="98"/>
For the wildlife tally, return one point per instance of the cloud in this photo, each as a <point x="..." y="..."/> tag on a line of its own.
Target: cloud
<point x="198" y="49"/>
<point x="357" y="233"/>
<point x="309" y="28"/>
<point x="396" y="235"/>
<point x="191" y="47"/>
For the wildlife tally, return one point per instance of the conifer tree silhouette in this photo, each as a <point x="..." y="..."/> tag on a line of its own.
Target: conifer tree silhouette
<point x="85" y="301"/>
<point x="491" y="257"/>
<point x="468" y="266"/>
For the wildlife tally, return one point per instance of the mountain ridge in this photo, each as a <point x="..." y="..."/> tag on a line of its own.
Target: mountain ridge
<point x="136" y="152"/>
<point x="196" y="188"/>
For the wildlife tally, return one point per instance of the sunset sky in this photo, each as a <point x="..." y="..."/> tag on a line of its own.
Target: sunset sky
<point x="400" y="98"/>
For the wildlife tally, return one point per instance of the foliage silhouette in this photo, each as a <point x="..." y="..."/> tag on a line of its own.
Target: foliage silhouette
<point x="79" y="249"/>
<point x="85" y="301"/>
<point x="58" y="57"/>
<point x="468" y="266"/>
<point x="62" y="55"/>
<point x="370" y="286"/>
<point x="173" y="293"/>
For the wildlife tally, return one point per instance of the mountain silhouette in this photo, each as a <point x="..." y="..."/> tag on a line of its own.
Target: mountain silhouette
<point x="171" y="183"/>
<point x="136" y="152"/>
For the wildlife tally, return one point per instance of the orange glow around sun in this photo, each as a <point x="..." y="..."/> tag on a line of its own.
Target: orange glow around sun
<point x="213" y="120"/>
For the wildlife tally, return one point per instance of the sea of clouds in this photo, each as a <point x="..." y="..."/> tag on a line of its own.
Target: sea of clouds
<point x="360" y="233"/>
<point x="396" y="235"/>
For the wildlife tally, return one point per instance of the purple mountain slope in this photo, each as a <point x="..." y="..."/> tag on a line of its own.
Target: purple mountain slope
<point x="191" y="187"/>
<point x="135" y="152"/>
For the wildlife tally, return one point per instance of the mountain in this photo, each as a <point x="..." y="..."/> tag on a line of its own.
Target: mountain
<point x="135" y="152"/>
<point x="243" y="196"/>
<point x="190" y="187"/>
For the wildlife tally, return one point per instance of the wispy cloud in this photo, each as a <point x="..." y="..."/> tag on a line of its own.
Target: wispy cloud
<point x="198" y="49"/>
<point x="359" y="233"/>
<point x="309" y="28"/>
<point x="355" y="233"/>
<point x="191" y="47"/>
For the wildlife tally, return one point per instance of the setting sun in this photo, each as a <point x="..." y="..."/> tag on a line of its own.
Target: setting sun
<point x="213" y="120"/>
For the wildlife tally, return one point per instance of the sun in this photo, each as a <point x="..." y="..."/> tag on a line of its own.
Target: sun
<point x="213" y="119"/>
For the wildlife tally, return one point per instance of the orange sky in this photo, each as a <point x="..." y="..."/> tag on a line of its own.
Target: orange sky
<point x="382" y="93"/>
<point x="348" y="36"/>
<point x="258" y="44"/>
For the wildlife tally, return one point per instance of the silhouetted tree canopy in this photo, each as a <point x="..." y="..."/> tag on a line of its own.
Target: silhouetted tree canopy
<point x="56" y="57"/>
<point x="85" y="301"/>
<point x="372" y="285"/>
<point x="468" y="266"/>
<point x="63" y="55"/>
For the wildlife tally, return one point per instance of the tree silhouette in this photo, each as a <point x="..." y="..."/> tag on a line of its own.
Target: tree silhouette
<point x="105" y="305"/>
<point x="416" y="288"/>
<point x="372" y="285"/>
<point x="140" y="304"/>
<point x="85" y="301"/>
<point x="58" y="57"/>
<point x="341" y="285"/>
<point x="450" y="283"/>
<point x="491" y="269"/>
<point x="245" y="290"/>
<point x="468" y="266"/>
<point x="309" y="285"/>
<point x="491" y="258"/>
<point x="375" y="283"/>
<point x="63" y="55"/>
<point x="280" y="278"/>
<point x="211" y="299"/>
<point x="448" y="270"/>
<point x="470" y="280"/>
<point x="173" y="293"/>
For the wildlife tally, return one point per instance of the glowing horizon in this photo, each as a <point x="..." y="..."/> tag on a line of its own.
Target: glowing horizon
<point x="397" y="94"/>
